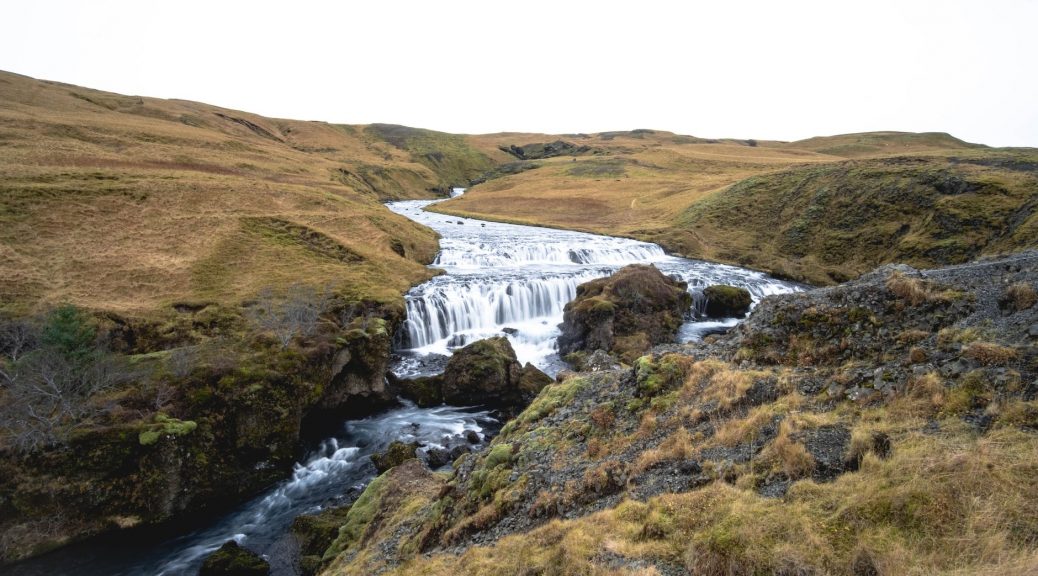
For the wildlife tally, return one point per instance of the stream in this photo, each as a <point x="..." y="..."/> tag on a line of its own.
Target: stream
<point x="501" y="279"/>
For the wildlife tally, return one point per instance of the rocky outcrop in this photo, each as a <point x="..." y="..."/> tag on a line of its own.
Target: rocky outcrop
<point x="542" y="150"/>
<point x="232" y="417"/>
<point x="483" y="373"/>
<point x="396" y="454"/>
<point x="727" y="301"/>
<point x="233" y="560"/>
<point x="625" y="314"/>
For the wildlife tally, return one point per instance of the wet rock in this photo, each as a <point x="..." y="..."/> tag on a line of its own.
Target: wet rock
<point x="472" y="437"/>
<point x="233" y="560"/>
<point x="483" y="373"/>
<point x="727" y="301"/>
<point x="397" y="453"/>
<point x="624" y="314"/>
<point x="439" y="457"/>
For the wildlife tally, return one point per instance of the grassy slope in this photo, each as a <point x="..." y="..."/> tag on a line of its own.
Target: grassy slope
<point x="931" y="491"/>
<point x="796" y="208"/>
<point x="629" y="183"/>
<point x="833" y="222"/>
<point x="129" y="204"/>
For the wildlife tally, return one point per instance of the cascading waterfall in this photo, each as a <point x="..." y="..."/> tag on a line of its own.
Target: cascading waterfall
<point x="516" y="280"/>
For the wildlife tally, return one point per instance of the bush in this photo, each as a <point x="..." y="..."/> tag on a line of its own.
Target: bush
<point x="52" y="379"/>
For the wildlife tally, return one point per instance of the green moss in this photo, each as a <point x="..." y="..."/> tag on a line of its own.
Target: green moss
<point x="655" y="377"/>
<point x="499" y="454"/>
<point x="550" y="398"/>
<point x="165" y="426"/>
<point x="360" y="515"/>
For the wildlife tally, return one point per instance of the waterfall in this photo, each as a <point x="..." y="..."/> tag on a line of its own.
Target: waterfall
<point x="516" y="280"/>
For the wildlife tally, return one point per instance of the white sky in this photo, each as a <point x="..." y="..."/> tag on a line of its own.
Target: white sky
<point x="769" y="70"/>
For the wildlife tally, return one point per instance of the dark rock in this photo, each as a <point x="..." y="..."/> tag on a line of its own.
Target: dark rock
<point x="1032" y="331"/>
<point x="827" y="445"/>
<point x="425" y="391"/>
<point x="397" y="453"/>
<point x="233" y="560"/>
<point x="775" y="487"/>
<point x="314" y="534"/>
<point x="600" y="360"/>
<point x="510" y="330"/>
<point x="624" y="314"/>
<point x="727" y="301"/>
<point x="531" y="381"/>
<point x="472" y="436"/>
<point x="692" y="467"/>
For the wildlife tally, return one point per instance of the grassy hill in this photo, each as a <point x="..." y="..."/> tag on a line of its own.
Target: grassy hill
<point x="820" y="210"/>
<point x="836" y="221"/>
<point x="131" y="204"/>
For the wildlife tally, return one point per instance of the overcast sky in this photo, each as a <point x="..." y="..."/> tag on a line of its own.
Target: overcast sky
<point x="768" y="70"/>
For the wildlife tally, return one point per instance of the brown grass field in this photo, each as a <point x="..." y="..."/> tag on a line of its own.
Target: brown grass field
<point x="129" y="204"/>
<point x="767" y="205"/>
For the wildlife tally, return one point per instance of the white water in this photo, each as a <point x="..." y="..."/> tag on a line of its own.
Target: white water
<point x="515" y="280"/>
<point x="336" y="470"/>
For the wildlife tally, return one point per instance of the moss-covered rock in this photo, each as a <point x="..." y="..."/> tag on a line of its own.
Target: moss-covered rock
<point x="314" y="534"/>
<point x="727" y="301"/>
<point x="425" y="391"/>
<point x="397" y="453"/>
<point x="485" y="373"/>
<point x="233" y="560"/>
<point x="625" y="314"/>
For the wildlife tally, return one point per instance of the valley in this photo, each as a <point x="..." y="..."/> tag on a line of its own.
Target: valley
<point x="359" y="349"/>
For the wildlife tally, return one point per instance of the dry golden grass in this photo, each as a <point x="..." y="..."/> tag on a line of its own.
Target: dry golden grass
<point x="1021" y="296"/>
<point x="953" y="503"/>
<point x="988" y="353"/>
<point x="785" y="454"/>
<point x="633" y="184"/>
<point x="677" y="446"/>
<point x="130" y="204"/>
<point x="911" y="290"/>
<point x="771" y="206"/>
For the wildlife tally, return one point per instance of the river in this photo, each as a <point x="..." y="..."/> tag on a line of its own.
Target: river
<point x="501" y="279"/>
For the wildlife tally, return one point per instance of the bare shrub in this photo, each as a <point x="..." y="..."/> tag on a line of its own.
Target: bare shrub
<point x="49" y="396"/>
<point x="52" y="375"/>
<point x="297" y="314"/>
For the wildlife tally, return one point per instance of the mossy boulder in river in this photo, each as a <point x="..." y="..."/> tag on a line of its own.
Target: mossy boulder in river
<point x="483" y="373"/>
<point x="625" y="314"/>
<point x="233" y="560"/>
<point x="727" y="301"/>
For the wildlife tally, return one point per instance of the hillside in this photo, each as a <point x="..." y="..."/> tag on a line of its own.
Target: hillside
<point x="804" y="209"/>
<point x="131" y="204"/>
<point x="884" y="426"/>
<point x="187" y="292"/>
<point x="833" y="222"/>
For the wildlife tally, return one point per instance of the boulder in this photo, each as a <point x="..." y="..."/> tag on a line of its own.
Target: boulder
<point x="485" y="372"/>
<point x="625" y="314"/>
<point x="727" y="301"/>
<point x="396" y="454"/>
<point x="233" y="560"/>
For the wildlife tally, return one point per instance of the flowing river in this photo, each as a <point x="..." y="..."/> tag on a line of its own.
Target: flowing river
<point x="501" y="279"/>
